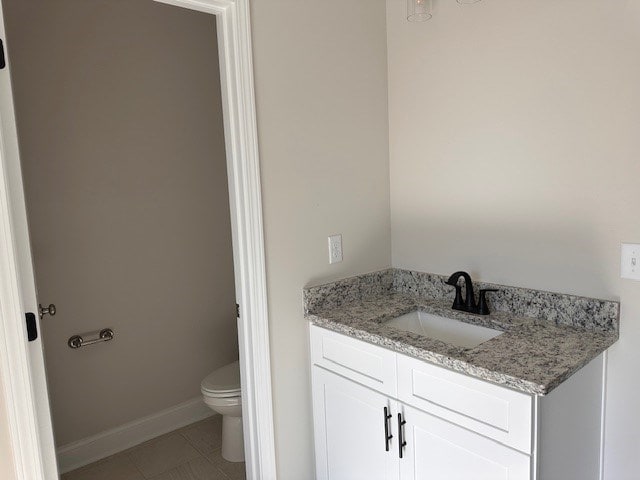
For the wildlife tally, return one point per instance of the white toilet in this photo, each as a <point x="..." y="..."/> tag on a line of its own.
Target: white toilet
<point x="221" y="391"/>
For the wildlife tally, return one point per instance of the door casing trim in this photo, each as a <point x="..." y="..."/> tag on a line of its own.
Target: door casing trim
<point x="30" y="453"/>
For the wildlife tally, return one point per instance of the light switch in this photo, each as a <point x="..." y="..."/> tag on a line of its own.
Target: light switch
<point x="630" y="261"/>
<point x="335" y="248"/>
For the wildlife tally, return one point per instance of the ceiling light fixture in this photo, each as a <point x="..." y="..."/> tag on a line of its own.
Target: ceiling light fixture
<point x="418" y="10"/>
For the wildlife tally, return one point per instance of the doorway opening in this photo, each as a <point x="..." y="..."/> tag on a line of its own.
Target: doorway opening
<point x="124" y="168"/>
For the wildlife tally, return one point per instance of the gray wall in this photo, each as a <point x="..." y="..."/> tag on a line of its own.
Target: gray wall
<point x="514" y="139"/>
<point x="120" y="127"/>
<point x="321" y="87"/>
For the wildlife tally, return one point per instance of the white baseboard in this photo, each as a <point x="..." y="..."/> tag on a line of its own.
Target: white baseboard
<point x="97" y="447"/>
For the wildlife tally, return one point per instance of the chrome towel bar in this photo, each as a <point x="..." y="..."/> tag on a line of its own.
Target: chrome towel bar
<point x="90" y="338"/>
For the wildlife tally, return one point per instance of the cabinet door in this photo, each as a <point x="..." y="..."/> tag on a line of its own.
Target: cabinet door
<point x="349" y="429"/>
<point x="439" y="450"/>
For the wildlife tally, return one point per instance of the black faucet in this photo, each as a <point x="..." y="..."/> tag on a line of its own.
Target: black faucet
<point x="469" y="303"/>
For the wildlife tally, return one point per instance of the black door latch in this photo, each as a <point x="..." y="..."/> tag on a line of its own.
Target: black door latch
<point x="2" y="61"/>
<point x="32" y="327"/>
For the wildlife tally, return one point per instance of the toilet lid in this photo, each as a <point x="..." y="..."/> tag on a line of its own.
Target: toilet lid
<point x="223" y="380"/>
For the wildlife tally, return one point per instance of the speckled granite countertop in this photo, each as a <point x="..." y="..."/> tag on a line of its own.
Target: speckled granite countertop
<point x="547" y="336"/>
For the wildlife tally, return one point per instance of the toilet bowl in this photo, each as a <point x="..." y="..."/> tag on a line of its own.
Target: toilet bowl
<point x="221" y="392"/>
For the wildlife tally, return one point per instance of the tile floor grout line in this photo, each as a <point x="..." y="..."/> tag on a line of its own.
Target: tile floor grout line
<point x="186" y="462"/>
<point x="135" y="465"/>
<point x="222" y="472"/>
<point x="166" y="471"/>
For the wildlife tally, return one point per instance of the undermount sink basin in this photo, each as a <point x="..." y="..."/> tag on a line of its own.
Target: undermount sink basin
<point x="446" y="330"/>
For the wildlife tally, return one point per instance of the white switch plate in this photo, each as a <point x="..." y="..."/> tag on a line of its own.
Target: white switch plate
<point x="335" y="248"/>
<point x="630" y="261"/>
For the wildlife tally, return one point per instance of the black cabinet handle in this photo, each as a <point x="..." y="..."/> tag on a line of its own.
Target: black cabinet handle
<point x="387" y="436"/>
<point x="401" y="441"/>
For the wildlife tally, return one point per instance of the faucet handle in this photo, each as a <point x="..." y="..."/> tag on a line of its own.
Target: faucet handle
<point x="483" y="308"/>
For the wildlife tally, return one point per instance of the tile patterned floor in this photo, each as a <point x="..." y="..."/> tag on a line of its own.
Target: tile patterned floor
<point x="190" y="453"/>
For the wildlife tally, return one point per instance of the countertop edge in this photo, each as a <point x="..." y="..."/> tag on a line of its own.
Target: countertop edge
<point x="457" y="365"/>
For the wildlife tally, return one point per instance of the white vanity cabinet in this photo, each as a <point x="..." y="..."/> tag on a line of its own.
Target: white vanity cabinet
<point x="368" y="399"/>
<point x="350" y="430"/>
<point x="440" y="450"/>
<point x="352" y="443"/>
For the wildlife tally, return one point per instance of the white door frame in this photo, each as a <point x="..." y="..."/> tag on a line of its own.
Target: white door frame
<point x="32" y="454"/>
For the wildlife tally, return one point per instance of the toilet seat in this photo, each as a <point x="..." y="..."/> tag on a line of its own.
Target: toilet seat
<point x="223" y="383"/>
<point x="231" y="394"/>
<point x="221" y="392"/>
